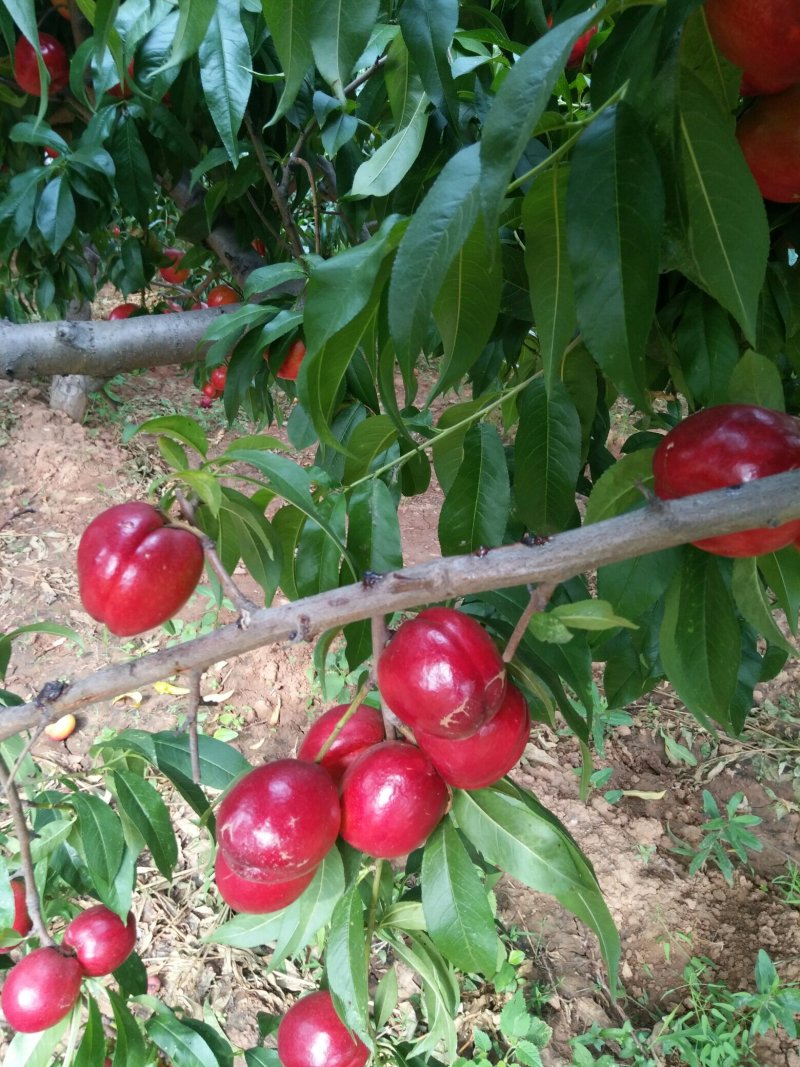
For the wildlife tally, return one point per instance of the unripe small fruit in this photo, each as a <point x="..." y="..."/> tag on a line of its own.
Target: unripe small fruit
<point x="61" y="729"/>
<point x="26" y="67"/>
<point x="361" y="731"/>
<point x="479" y="761"/>
<point x="442" y="673"/>
<point x="392" y="799"/>
<point x="311" y="1034"/>
<point x="40" y="990"/>
<point x="256" y="898"/>
<point x="101" y="940"/>
<point x="22" y="920"/>
<point x="279" y="820"/>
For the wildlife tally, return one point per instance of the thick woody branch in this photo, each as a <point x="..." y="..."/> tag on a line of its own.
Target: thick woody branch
<point x="662" y="524"/>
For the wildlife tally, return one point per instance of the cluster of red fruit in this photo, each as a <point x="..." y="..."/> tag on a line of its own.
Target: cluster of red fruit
<point x="382" y="797"/>
<point x="43" y="987"/>
<point x="728" y="445"/>
<point x="764" y="40"/>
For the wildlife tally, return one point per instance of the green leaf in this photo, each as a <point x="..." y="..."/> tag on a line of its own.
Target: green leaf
<point x="440" y="991"/>
<point x="129" y="1047"/>
<point x="547" y="458"/>
<point x="373" y="532"/>
<point x="289" y="22"/>
<point x="517" y="108"/>
<point x="589" y="615"/>
<point x="55" y="213"/>
<point x="293" y="927"/>
<point x="475" y="510"/>
<point x="448" y="448"/>
<point x="36" y="1050"/>
<point x="91" y="1051"/>
<point x="751" y="600"/>
<point x="699" y="639"/>
<point x="184" y="1046"/>
<point x="263" y="279"/>
<point x="613" y="238"/>
<point x="551" y="289"/>
<point x="193" y="22"/>
<point x="756" y="380"/>
<point x="708" y="349"/>
<point x="428" y="27"/>
<point x="134" y="178"/>
<point x="467" y="306"/>
<point x="346" y="962"/>
<point x="368" y="446"/>
<point x="316" y="568"/>
<point x="225" y="72"/>
<point x="102" y="840"/>
<point x="516" y="833"/>
<point x="619" y="489"/>
<point x="178" y="428"/>
<point x="386" y="997"/>
<point x="339" y="33"/>
<point x="634" y="585"/>
<point x="437" y="231"/>
<point x="726" y="225"/>
<point x="389" y="164"/>
<point x="143" y="805"/>
<point x="220" y="763"/>
<point x="781" y="571"/>
<point x="456" y="905"/>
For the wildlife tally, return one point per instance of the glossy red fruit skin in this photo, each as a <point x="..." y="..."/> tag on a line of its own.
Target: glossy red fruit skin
<point x="760" y="36"/>
<point x="392" y="798"/>
<point x="279" y="820"/>
<point x="210" y="390"/>
<point x="218" y="378"/>
<point x="173" y="274"/>
<point x="101" y="940"/>
<point x="481" y="760"/>
<point x="363" y="730"/>
<point x="122" y="311"/>
<point x="26" y="69"/>
<point x="134" y="572"/>
<point x="221" y="295"/>
<point x="442" y="673"/>
<point x="769" y="136"/>
<point x="290" y="367"/>
<point x="40" y="990"/>
<point x="22" y="920"/>
<point x="728" y="445"/>
<point x="256" y="898"/>
<point x="311" y="1034"/>
<point x="580" y="48"/>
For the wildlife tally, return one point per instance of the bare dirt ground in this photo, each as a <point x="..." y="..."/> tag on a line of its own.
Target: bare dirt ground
<point x="56" y="475"/>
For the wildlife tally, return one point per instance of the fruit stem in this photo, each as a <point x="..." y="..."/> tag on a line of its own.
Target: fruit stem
<point x="373" y="908"/>
<point x="380" y="638"/>
<point x="25" y="858"/>
<point x="540" y="597"/>
<point x="345" y="718"/>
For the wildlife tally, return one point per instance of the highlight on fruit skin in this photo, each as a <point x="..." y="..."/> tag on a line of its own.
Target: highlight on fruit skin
<point x="311" y="1034"/>
<point x="256" y="898"/>
<point x="22" y="922"/>
<point x="100" y="939"/>
<point x="40" y="990"/>
<point x="362" y="730"/>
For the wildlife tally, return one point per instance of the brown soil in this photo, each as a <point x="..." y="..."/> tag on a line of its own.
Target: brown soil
<point x="55" y="476"/>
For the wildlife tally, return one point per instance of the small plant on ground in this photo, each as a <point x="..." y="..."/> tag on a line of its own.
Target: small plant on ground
<point x="723" y="836"/>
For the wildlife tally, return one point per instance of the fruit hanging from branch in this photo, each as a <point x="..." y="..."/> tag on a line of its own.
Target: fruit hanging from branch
<point x="21" y="922"/>
<point x="278" y="821"/>
<point x="174" y="273"/>
<point x="762" y="37"/>
<point x="362" y="730"/>
<point x="769" y="136"/>
<point x="135" y="571"/>
<point x="728" y="445"/>
<point x="40" y="990"/>
<point x="26" y="66"/>
<point x="311" y="1034"/>
<point x="100" y="939"/>
<point x="442" y="673"/>
<point x="256" y="898"/>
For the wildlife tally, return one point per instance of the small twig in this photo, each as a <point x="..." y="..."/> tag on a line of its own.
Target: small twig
<point x="15" y="515"/>
<point x="346" y="716"/>
<point x="243" y="604"/>
<point x="298" y="161"/>
<point x="195" y="700"/>
<point x="380" y="639"/>
<point x="540" y="597"/>
<point x="25" y="858"/>
<point x="278" y="195"/>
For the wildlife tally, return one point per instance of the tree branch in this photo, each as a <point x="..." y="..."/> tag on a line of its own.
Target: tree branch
<point x="766" y="502"/>
<point x="25" y="858"/>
